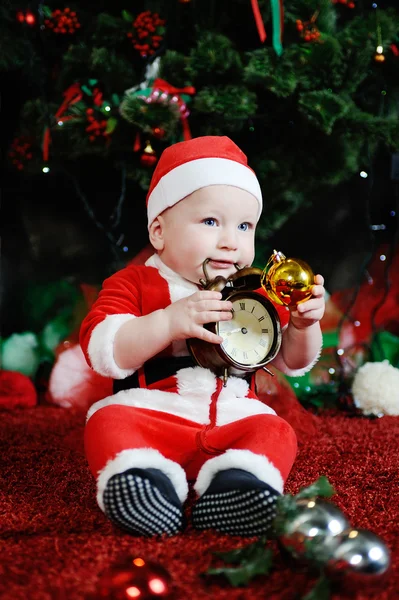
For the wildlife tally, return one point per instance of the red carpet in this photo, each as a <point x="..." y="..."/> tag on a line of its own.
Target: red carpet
<point x="55" y="542"/>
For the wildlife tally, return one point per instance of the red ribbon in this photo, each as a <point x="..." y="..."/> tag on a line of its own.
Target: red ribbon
<point x="72" y="95"/>
<point x="258" y="20"/>
<point x="164" y="86"/>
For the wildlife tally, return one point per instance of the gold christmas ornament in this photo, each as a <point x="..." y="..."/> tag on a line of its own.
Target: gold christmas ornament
<point x="287" y="281"/>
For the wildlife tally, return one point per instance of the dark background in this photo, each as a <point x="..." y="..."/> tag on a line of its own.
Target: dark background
<point x="48" y="233"/>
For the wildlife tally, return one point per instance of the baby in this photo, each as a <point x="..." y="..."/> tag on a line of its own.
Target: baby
<point x="169" y="421"/>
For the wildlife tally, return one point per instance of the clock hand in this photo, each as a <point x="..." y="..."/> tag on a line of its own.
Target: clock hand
<point x="234" y="331"/>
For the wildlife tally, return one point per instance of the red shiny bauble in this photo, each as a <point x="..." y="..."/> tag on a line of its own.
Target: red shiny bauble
<point x="134" y="578"/>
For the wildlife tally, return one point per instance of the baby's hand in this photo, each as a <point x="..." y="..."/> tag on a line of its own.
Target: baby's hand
<point x="188" y="315"/>
<point x="309" y="312"/>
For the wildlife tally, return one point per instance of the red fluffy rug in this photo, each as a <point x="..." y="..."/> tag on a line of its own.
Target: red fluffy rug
<point x="55" y="542"/>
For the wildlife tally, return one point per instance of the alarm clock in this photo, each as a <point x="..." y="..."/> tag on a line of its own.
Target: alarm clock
<point x="251" y="339"/>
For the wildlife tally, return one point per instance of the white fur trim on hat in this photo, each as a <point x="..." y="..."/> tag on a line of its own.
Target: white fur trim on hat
<point x="257" y="464"/>
<point x="185" y="179"/>
<point x="142" y="458"/>
<point x="101" y="347"/>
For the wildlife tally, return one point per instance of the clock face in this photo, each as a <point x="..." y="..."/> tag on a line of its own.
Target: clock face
<point x="249" y="335"/>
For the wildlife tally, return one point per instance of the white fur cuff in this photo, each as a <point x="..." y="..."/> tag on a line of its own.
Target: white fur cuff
<point x="101" y="347"/>
<point x="256" y="464"/>
<point x="142" y="458"/>
<point x="279" y="363"/>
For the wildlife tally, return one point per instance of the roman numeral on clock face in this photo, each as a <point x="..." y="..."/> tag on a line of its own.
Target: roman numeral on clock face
<point x="265" y="331"/>
<point x="242" y="305"/>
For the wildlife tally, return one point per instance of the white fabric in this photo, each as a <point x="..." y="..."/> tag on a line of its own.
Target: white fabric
<point x="101" y="347"/>
<point x="142" y="458"/>
<point x="196" y="174"/>
<point x="256" y="464"/>
<point x="191" y="401"/>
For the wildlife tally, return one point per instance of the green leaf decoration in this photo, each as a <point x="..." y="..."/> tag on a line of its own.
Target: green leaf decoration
<point x="127" y="16"/>
<point x="321" y="487"/>
<point x="46" y="10"/>
<point x="111" y="124"/>
<point x="258" y="562"/>
<point x="324" y="108"/>
<point x="320" y="591"/>
<point x="242" y="554"/>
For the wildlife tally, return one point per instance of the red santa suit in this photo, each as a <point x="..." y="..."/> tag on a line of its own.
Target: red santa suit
<point x="186" y="424"/>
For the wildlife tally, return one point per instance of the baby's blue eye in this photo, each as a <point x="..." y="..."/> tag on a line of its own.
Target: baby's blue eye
<point x="210" y="222"/>
<point x="243" y="226"/>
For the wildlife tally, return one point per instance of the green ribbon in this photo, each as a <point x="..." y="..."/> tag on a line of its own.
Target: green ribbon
<point x="277" y="26"/>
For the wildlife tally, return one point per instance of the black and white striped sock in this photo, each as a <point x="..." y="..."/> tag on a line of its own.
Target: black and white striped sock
<point x="237" y="503"/>
<point x="143" y="502"/>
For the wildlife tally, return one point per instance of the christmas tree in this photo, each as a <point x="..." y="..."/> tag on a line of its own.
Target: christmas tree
<point x="92" y="94"/>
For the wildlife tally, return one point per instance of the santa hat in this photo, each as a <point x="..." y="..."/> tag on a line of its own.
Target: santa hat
<point x="188" y="166"/>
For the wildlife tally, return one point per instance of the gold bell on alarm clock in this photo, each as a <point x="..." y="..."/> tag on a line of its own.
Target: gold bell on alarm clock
<point x="287" y="281"/>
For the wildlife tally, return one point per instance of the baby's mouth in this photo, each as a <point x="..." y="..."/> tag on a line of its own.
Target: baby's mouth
<point x="220" y="264"/>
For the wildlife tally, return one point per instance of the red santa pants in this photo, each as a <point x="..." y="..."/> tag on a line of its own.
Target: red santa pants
<point x="115" y="428"/>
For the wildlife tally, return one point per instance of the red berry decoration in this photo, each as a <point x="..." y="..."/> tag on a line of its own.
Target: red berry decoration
<point x="308" y="29"/>
<point x="63" y="21"/>
<point x="158" y="132"/>
<point x="96" y="129"/>
<point x="20" y="152"/>
<point x="148" y="33"/>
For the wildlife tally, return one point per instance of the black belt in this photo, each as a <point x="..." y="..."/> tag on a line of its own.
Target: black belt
<point x="155" y="370"/>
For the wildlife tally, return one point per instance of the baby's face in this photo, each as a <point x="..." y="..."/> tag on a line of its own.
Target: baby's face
<point x="216" y="222"/>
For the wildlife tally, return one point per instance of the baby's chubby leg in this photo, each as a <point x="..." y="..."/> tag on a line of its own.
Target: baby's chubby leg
<point x="136" y="456"/>
<point x="238" y="489"/>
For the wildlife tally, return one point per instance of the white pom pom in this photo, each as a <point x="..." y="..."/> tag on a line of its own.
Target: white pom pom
<point x="375" y="389"/>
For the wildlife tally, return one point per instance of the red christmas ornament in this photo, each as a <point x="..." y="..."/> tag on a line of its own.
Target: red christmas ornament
<point x="134" y="577"/>
<point x="148" y="33"/>
<point x="63" y="21"/>
<point x="149" y="156"/>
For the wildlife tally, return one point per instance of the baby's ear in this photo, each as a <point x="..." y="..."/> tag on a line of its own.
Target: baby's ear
<point x="156" y="233"/>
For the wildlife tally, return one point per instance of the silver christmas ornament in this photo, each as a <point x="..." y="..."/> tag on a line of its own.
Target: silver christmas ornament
<point x="361" y="552"/>
<point x="315" y="531"/>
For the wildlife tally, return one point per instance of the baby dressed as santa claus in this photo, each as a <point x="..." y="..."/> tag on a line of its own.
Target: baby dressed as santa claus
<point x="169" y="421"/>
